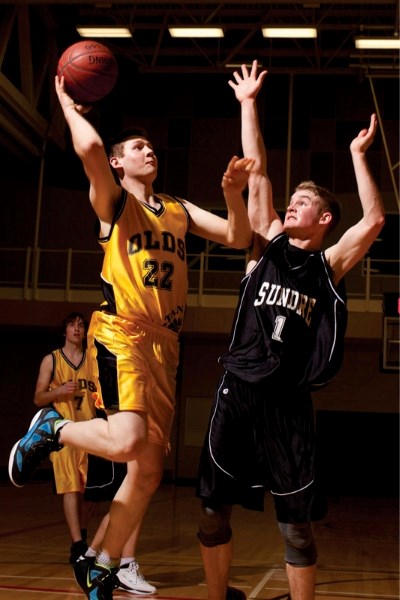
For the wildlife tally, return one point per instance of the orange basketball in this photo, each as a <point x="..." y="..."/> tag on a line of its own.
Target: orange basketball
<point x="90" y="71"/>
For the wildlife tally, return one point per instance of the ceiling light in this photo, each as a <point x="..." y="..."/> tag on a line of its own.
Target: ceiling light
<point x="384" y="43"/>
<point x="104" y="32"/>
<point x="239" y="65"/>
<point x="289" y="32"/>
<point x="198" y="32"/>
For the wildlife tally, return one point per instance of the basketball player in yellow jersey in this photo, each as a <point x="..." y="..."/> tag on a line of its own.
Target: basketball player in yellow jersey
<point x="63" y="382"/>
<point x="133" y="338"/>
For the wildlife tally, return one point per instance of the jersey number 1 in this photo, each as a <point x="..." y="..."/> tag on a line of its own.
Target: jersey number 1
<point x="279" y="324"/>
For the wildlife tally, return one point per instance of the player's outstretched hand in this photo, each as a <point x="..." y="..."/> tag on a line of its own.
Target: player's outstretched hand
<point x="65" y="100"/>
<point x="247" y="85"/>
<point x="366" y="136"/>
<point x="237" y="174"/>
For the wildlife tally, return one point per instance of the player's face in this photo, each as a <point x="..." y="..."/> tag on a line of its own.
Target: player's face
<point x="139" y="159"/>
<point x="75" y="331"/>
<point x="303" y="212"/>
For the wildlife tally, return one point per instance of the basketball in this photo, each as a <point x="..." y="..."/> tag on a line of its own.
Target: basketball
<point x="90" y="71"/>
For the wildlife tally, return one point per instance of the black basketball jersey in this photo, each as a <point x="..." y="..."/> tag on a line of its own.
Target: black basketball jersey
<point x="290" y="320"/>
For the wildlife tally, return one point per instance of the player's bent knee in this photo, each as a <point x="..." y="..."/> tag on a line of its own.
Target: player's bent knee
<point x="127" y="435"/>
<point x="148" y="482"/>
<point x="214" y="527"/>
<point x="300" y="549"/>
<point x="126" y="450"/>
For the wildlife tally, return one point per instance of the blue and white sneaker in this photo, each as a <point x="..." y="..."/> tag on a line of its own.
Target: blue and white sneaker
<point x="97" y="581"/>
<point x="32" y="450"/>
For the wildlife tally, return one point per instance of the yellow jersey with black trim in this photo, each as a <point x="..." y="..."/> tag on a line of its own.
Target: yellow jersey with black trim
<point x="81" y="406"/>
<point x="144" y="274"/>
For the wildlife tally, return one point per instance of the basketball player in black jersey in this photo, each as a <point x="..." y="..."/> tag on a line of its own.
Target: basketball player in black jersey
<point x="287" y="339"/>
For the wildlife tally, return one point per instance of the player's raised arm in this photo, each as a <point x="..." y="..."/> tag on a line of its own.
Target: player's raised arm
<point x="234" y="182"/>
<point x="356" y="241"/>
<point x="264" y="220"/>
<point x="234" y="231"/>
<point x="89" y="147"/>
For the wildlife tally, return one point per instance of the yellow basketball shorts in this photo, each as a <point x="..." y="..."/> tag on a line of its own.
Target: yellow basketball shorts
<point x="135" y="367"/>
<point x="70" y="470"/>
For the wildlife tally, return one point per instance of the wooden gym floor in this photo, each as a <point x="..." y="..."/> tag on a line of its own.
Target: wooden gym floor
<point x="358" y="548"/>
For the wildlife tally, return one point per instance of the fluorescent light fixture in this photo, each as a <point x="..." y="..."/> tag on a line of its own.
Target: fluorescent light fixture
<point x="196" y="32"/>
<point x="104" y="32"/>
<point x="289" y="32"/>
<point x="238" y="65"/>
<point x="384" y="43"/>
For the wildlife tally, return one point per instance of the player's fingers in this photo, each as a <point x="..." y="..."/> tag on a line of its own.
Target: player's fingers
<point x="243" y="163"/>
<point x="254" y="67"/>
<point x="250" y="164"/>
<point x="373" y="122"/>
<point x="237" y="77"/>
<point x="232" y="162"/>
<point x="82" y="108"/>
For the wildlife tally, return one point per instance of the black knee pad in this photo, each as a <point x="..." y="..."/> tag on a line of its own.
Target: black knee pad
<point x="299" y="544"/>
<point x="214" y="526"/>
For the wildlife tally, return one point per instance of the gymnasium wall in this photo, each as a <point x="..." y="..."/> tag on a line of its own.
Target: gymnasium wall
<point x="194" y="124"/>
<point x="356" y="415"/>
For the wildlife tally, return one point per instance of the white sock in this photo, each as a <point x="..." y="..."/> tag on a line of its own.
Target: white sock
<point x="90" y="552"/>
<point x="60" y="424"/>
<point x="105" y="560"/>
<point x="126" y="560"/>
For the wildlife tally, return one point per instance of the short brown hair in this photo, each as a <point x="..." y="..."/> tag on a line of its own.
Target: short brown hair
<point x="115" y="143"/>
<point x="72" y="317"/>
<point x="328" y="202"/>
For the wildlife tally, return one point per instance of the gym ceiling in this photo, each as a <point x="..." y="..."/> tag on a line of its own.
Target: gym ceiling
<point x="33" y="35"/>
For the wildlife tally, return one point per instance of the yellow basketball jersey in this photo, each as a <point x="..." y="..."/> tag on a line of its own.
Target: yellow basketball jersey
<point x="81" y="408"/>
<point x="144" y="274"/>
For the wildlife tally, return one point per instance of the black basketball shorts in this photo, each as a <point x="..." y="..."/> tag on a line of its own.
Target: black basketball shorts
<point x="261" y="438"/>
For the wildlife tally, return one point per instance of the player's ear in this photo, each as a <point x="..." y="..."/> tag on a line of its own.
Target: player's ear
<point x="325" y="218"/>
<point x="114" y="162"/>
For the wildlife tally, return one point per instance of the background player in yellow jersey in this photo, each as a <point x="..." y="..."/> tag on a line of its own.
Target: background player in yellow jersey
<point x="133" y="338"/>
<point x="64" y="382"/>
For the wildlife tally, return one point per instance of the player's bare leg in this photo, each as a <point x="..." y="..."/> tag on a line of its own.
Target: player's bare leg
<point x="301" y="582"/>
<point x="216" y="561"/>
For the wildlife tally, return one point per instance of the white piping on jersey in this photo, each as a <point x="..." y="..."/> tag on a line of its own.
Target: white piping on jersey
<point x="209" y="437"/>
<point x="295" y="491"/>
<point x="335" y="332"/>
<point x="334" y="290"/>
<point x="338" y="298"/>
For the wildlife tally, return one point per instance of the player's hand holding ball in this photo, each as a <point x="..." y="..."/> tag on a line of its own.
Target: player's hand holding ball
<point x="66" y="101"/>
<point x="86" y="72"/>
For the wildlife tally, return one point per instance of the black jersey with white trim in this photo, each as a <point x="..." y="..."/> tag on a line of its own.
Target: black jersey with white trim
<point x="290" y="321"/>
